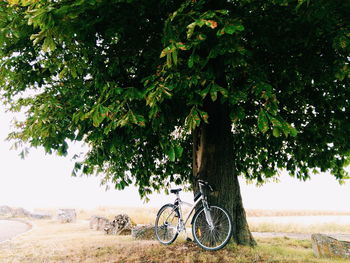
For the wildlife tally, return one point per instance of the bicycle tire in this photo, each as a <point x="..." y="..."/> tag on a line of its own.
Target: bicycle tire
<point x="161" y="228"/>
<point x="219" y="236"/>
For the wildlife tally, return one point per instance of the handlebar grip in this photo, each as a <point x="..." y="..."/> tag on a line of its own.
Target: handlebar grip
<point x="200" y="181"/>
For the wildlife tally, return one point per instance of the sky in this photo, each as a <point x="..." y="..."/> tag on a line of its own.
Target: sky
<point x="42" y="181"/>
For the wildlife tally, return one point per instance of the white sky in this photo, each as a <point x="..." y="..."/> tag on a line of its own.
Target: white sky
<point x="44" y="181"/>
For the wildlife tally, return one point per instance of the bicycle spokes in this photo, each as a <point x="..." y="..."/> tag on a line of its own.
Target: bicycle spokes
<point x="211" y="225"/>
<point x="213" y="236"/>
<point x="166" y="225"/>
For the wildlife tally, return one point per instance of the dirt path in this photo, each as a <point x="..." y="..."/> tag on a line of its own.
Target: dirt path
<point x="12" y="228"/>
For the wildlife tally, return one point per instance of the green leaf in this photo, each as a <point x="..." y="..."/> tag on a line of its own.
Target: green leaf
<point x="223" y="91"/>
<point x="213" y="95"/>
<point x="174" y="57"/>
<point x="190" y="29"/>
<point x="276" y="132"/>
<point x="196" y="118"/>
<point x="48" y="45"/>
<point x="171" y="154"/>
<point x="214" y="92"/>
<point x="202" y="37"/>
<point x="168" y="60"/>
<point x="73" y="72"/>
<point x="193" y="119"/>
<point x="263" y="123"/>
<point x="240" y="113"/>
<point x="97" y="117"/>
<point x="182" y="46"/>
<point x="293" y="131"/>
<point x="200" y="22"/>
<point x="275" y="122"/>
<point x="223" y="11"/>
<point x="63" y="73"/>
<point x="239" y="27"/>
<point x="203" y="93"/>
<point x="204" y="115"/>
<point x="190" y="61"/>
<point x="178" y="151"/>
<point x="153" y="112"/>
<point x="166" y="51"/>
<point x="230" y="29"/>
<point x="220" y="32"/>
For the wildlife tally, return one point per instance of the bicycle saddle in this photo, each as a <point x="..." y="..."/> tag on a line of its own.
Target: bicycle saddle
<point x="175" y="191"/>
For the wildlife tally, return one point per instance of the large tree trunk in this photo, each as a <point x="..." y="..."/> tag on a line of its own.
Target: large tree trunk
<point x="213" y="162"/>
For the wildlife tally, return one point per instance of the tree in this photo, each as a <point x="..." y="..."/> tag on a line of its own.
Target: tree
<point x="172" y="91"/>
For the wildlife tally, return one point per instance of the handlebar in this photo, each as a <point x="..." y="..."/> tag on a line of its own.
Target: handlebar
<point x="202" y="182"/>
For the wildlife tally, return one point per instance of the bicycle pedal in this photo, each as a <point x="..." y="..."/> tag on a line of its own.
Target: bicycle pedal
<point x="189" y="239"/>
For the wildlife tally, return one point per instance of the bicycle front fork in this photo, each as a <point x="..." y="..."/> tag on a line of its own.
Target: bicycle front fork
<point x="208" y="215"/>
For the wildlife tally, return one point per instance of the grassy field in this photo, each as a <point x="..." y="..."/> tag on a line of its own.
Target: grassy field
<point x="270" y="213"/>
<point x="51" y="242"/>
<point x="148" y="215"/>
<point x="300" y="228"/>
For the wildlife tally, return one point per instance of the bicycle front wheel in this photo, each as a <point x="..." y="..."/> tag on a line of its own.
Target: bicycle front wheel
<point x="166" y="224"/>
<point x="212" y="237"/>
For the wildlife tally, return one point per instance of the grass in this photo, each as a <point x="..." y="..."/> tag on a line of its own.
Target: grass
<point x="138" y="215"/>
<point x="300" y="228"/>
<point x="148" y="215"/>
<point x="268" y="213"/>
<point x="51" y="242"/>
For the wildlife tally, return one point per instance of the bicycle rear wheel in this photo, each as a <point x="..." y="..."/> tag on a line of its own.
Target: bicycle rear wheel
<point x="216" y="237"/>
<point x="166" y="224"/>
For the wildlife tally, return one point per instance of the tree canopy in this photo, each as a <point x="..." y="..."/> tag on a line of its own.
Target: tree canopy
<point x="130" y="78"/>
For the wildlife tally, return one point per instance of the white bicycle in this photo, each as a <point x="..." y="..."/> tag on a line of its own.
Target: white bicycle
<point x="211" y="224"/>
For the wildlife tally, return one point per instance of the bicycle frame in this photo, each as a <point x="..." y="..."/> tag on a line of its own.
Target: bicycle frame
<point x="211" y="224"/>
<point x="178" y="206"/>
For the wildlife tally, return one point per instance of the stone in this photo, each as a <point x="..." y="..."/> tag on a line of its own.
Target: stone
<point x="98" y="222"/>
<point x="40" y="216"/>
<point x="20" y="212"/>
<point x="145" y="232"/>
<point x="5" y="211"/>
<point x="326" y="246"/>
<point x="13" y="212"/>
<point x="121" y="225"/>
<point x="66" y="215"/>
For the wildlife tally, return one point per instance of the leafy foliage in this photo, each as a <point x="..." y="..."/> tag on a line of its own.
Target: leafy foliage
<point x="130" y="77"/>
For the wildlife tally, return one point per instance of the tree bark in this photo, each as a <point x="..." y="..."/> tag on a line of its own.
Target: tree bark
<point x="213" y="162"/>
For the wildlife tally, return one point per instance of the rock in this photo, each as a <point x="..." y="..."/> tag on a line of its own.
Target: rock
<point x="13" y="212"/>
<point x="66" y="215"/>
<point x="5" y="211"/>
<point x="40" y="216"/>
<point x="145" y="232"/>
<point x="121" y="225"/>
<point x="20" y="212"/>
<point x="326" y="246"/>
<point x="98" y="222"/>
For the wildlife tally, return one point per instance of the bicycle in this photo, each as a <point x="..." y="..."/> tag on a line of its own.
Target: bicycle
<point x="211" y="224"/>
